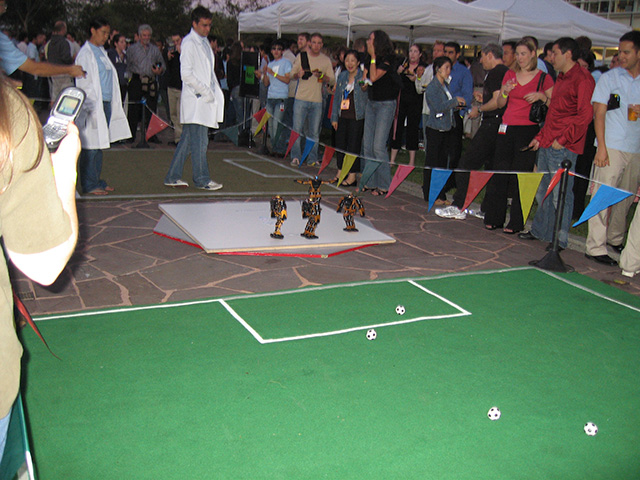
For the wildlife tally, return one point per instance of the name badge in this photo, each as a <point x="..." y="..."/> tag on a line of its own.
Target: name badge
<point x="502" y="130"/>
<point x="344" y="105"/>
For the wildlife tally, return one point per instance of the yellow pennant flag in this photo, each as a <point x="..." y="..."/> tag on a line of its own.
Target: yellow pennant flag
<point x="528" y="186"/>
<point x="263" y="121"/>
<point x="347" y="163"/>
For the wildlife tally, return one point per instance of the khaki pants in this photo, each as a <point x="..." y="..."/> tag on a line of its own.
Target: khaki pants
<point x="57" y="84"/>
<point x="174" y="109"/>
<point x="630" y="257"/>
<point x="605" y="227"/>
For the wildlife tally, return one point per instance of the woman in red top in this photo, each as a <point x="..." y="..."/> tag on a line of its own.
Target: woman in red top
<point x="518" y="92"/>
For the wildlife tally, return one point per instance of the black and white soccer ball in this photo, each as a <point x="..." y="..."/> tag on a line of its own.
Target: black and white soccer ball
<point x="494" y="413"/>
<point x="590" y="429"/>
<point x="400" y="310"/>
<point x="371" y="334"/>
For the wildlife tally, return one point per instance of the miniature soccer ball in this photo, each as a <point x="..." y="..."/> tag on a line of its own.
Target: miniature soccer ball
<point x="400" y="310"/>
<point x="590" y="429"/>
<point x="371" y="334"/>
<point x="494" y="413"/>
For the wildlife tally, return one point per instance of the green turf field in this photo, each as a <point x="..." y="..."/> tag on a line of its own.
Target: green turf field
<point x="189" y="390"/>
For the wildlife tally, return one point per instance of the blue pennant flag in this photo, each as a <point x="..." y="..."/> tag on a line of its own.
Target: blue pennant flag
<point x="604" y="198"/>
<point x="308" y="145"/>
<point x="438" y="180"/>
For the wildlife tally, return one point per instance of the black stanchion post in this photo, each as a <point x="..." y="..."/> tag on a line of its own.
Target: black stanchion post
<point x="552" y="261"/>
<point x="143" y="134"/>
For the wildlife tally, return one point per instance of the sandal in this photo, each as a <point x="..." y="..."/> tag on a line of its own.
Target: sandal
<point x="352" y="184"/>
<point x="510" y="231"/>
<point x="334" y="180"/>
<point x="379" y="193"/>
<point x="98" y="192"/>
<point x="491" y="227"/>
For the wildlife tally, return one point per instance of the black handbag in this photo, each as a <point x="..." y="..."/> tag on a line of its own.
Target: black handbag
<point x="539" y="108"/>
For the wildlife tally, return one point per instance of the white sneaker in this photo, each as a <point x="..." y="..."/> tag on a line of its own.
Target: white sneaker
<point x="451" y="212"/>
<point x="629" y="274"/>
<point x="475" y="213"/>
<point x="211" y="186"/>
<point x="177" y="183"/>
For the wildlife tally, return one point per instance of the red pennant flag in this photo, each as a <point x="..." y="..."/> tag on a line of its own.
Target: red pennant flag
<point x="27" y="316"/>
<point x="258" y="115"/>
<point x="292" y="139"/>
<point x="477" y="181"/>
<point x="402" y="173"/>
<point x="326" y="158"/>
<point x="156" y="125"/>
<point x="554" y="181"/>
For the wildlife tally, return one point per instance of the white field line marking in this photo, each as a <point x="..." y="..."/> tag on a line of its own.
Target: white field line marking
<point x="439" y="297"/>
<point x="588" y="290"/>
<point x="249" y="328"/>
<point x="355" y="329"/>
<point x="262" y="340"/>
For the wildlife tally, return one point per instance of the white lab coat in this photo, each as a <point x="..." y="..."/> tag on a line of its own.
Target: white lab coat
<point x="95" y="134"/>
<point x="202" y="100"/>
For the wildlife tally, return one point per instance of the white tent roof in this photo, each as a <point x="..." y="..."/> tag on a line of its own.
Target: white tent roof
<point x="548" y="20"/>
<point x="423" y="20"/>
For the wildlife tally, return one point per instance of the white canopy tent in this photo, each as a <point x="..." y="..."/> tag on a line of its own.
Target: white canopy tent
<point x="420" y="20"/>
<point x="548" y="20"/>
<point x="428" y="20"/>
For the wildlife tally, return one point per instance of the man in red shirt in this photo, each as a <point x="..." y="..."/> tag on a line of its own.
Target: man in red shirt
<point x="561" y="138"/>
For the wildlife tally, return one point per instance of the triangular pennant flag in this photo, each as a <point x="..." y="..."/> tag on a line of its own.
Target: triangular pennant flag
<point x="265" y="118"/>
<point x="156" y="125"/>
<point x="477" y="181"/>
<point x="326" y="158"/>
<point x="308" y="145"/>
<point x="554" y="181"/>
<point x="232" y="134"/>
<point x="528" y="186"/>
<point x="259" y="114"/>
<point x="347" y="163"/>
<point x="369" y="169"/>
<point x="292" y="139"/>
<point x="438" y="180"/>
<point x="279" y="130"/>
<point x="604" y="198"/>
<point x="402" y="173"/>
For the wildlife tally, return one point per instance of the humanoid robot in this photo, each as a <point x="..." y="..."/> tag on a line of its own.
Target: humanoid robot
<point x="279" y="212"/>
<point x="314" y="187"/>
<point x="349" y="205"/>
<point x="311" y="210"/>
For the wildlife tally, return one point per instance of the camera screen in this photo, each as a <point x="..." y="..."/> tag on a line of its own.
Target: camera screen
<point x="68" y="105"/>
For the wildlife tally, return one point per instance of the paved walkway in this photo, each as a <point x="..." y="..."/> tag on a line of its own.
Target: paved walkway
<point x="120" y="261"/>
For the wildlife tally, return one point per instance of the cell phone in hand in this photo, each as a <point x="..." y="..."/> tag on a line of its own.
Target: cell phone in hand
<point x="65" y="110"/>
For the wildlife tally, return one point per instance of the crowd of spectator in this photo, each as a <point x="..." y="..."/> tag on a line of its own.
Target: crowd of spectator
<point x="379" y="98"/>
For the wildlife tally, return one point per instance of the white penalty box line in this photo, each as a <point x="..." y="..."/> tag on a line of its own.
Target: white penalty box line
<point x="461" y="313"/>
<point x="243" y="163"/>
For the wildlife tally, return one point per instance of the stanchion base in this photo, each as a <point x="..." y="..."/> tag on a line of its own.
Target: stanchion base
<point x="552" y="262"/>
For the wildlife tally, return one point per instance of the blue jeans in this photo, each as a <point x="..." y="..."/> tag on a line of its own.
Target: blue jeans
<point x="306" y="121"/>
<point x="194" y="140"/>
<point x="549" y="160"/>
<point x="378" y="118"/>
<point x="273" y="109"/>
<point x="90" y="164"/>
<point x="285" y="134"/>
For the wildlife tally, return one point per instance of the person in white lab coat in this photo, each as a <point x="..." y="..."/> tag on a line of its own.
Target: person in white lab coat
<point x="102" y="120"/>
<point x="201" y="104"/>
